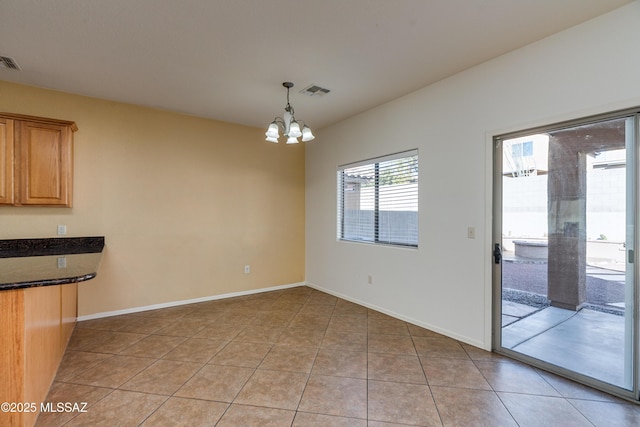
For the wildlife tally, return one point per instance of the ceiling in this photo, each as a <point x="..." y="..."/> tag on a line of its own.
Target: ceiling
<point x="226" y="59"/>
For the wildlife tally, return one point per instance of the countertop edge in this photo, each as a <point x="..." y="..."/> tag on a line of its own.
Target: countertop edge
<point x="48" y="282"/>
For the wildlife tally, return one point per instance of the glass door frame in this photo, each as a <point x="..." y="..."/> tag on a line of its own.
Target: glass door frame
<point x="633" y="186"/>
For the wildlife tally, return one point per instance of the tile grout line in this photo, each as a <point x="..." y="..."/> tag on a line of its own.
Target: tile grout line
<point x="316" y="308"/>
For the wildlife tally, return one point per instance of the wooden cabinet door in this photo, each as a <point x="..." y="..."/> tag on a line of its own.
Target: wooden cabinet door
<point x="12" y="353"/>
<point x="6" y="161"/>
<point x="69" y="311"/>
<point x="42" y="348"/>
<point x="45" y="164"/>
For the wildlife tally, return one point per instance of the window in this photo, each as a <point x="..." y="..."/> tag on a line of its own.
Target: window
<point x="523" y="149"/>
<point x="378" y="200"/>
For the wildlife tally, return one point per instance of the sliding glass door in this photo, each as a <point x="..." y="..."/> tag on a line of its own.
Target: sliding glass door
<point x="564" y="260"/>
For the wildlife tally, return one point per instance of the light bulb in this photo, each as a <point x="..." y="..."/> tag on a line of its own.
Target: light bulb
<point x="306" y="134"/>
<point x="294" y="129"/>
<point x="273" y="132"/>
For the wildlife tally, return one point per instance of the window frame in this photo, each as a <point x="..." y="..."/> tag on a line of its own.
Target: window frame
<point x="375" y="163"/>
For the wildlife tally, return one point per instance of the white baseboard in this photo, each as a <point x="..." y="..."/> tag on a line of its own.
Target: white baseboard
<point x="185" y="302"/>
<point x="445" y="332"/>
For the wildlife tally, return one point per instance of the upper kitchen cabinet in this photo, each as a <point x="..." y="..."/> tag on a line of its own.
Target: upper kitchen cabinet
<point x="37" y="161"/>
<point x="6" y="163"/>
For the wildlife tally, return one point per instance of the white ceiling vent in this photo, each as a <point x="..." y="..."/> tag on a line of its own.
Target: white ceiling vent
<point x="6" y="62"/>
<point x="314" y="90"/>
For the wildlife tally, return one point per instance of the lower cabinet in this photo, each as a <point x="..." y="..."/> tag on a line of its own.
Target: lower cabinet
<point x="69" y="312"/>
<point x="36" y="326"/>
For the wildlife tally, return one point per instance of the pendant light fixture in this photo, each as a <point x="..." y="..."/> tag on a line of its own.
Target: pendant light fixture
<point x="290" y="126"/>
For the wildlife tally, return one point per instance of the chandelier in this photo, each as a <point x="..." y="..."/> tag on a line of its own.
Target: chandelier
<point x="290" y="126"/>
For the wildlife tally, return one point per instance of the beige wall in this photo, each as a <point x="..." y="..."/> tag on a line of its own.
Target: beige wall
<point x="184" y="203"/>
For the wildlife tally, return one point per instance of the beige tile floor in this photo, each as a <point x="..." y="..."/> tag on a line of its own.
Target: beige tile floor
<point x="299" y="357"/>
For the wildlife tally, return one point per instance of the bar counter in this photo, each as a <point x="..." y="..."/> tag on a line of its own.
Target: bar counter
<point x="27" y="263"/>
<point x="38" y="311"/>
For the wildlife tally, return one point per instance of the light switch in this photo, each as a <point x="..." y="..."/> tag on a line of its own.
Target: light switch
<point x="471" y="232"/>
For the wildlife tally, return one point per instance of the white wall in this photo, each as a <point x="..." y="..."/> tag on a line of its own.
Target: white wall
<point x="446" y="284"/>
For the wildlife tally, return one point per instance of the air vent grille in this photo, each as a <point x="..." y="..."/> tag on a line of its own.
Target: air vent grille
<point x="314" y="90"/>
<point x="7" y="62"/>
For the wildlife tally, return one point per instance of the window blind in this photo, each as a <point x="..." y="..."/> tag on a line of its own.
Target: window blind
<point x="378" y="200"/>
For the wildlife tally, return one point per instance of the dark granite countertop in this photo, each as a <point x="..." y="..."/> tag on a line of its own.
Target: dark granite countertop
<point x="51" y="246"/>
<point x="27" y="263"/>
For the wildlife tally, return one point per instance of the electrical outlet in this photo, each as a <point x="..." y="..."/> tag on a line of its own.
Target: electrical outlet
<point x="247" y="269"/>
<point x="370" y="279"/>
<point x="62" y="262"/>
<point x="62" y="230"/>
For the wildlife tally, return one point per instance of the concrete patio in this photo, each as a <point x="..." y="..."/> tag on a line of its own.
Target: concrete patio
<point x="587" y="342"/>
<point x="590" y="341"/>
